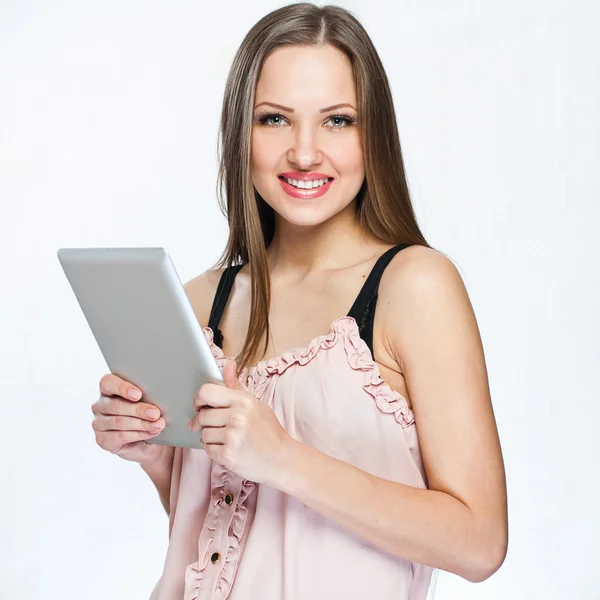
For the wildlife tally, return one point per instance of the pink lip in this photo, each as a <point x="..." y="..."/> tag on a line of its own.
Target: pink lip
<point x="305" y="194"/>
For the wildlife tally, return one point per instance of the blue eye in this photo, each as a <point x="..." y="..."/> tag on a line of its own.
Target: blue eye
<point x="276" y="120"/>
<point x="347" y="120"/>
<point x="263" y="119"/>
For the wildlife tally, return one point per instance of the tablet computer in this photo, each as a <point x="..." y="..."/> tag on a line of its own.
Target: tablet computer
<point x="146" y="328"/>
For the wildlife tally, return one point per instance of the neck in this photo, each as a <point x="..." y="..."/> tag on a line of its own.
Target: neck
<point x="337" y="243"/>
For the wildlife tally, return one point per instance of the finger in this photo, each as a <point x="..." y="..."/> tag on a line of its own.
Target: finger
<point x="211" y="417"/>
<point x="213" y="435"/>
<point x="112" y="385"/>
<point x="214" y="395"/>
<point x="123" y="423"/>
<point x="230" y="376"/>
<point x="115" y="405"/>
<point x="113" y="441"/>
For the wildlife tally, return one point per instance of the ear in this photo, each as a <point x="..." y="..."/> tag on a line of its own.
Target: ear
<point x="230" y="375"/>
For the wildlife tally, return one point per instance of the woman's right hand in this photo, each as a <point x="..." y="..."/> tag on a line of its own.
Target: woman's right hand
<point x="122" y="423"/>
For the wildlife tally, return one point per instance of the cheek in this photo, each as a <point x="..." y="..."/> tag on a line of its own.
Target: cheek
<point x="348" y="157"/>
<point x="265" y="155"/>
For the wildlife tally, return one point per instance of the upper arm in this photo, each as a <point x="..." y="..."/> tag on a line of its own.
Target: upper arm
<point x="201" y="292"/>
<point x="431" y="329"/>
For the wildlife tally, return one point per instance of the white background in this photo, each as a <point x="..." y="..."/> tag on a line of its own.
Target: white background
<point x="108" y="122"/>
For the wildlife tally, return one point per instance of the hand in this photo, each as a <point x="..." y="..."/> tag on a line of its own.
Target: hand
<point x="239" y="431"/>
<point x="122" y="424"/>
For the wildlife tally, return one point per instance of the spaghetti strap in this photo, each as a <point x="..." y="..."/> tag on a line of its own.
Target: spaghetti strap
<point x="220" y="301"/>
<point x="363" y="309"/>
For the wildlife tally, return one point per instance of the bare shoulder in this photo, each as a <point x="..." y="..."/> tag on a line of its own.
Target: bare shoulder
<point x="201" y="292"/>
<point x="421" y="284"/>
<point x="418" y="267"/>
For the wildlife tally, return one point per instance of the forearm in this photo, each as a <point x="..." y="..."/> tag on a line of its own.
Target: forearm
<point x="160" y="475"/>
<point x="424" y="526"/>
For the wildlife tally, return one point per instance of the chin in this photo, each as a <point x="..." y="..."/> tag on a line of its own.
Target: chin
<point x="307" y="216"/>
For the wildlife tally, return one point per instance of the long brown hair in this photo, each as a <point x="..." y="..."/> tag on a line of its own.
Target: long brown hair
<point x="383" y="202"/>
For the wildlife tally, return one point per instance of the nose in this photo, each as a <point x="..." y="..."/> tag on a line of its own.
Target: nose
<point x="305" y="150"/>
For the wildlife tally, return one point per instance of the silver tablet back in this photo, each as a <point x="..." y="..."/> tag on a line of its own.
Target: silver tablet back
<point x="141" y="317"/>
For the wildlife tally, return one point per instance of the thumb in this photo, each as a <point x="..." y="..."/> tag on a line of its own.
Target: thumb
<point x="230" y="375"/>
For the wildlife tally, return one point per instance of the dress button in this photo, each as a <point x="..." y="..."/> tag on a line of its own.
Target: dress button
<point x="228" y="499"/>
<point x="215" y="557"/>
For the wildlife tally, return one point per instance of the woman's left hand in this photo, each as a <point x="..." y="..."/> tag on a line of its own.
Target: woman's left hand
<point x="239" y="431"/>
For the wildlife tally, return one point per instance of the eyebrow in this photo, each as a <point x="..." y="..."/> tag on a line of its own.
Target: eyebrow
<point x="291" y="110"/>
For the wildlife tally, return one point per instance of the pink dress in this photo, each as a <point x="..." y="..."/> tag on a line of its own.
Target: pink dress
<point x="237" y="539"/>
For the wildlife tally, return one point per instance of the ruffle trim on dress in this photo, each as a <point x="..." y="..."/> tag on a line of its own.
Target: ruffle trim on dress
<point x="217" y="352"/>
<point x="220" y="485"/>
<point x="359" y="358"/>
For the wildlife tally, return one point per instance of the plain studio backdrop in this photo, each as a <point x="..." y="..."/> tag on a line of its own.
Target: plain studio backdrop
<point x="108" y="126"/>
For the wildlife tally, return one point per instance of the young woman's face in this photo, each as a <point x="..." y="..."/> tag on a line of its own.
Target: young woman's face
<point x="303" y="131"/>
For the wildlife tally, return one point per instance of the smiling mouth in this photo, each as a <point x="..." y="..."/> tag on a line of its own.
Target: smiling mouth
<point x="307" y="184"/>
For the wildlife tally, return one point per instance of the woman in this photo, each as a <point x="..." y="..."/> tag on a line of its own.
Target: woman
<point x="350" y="335"/>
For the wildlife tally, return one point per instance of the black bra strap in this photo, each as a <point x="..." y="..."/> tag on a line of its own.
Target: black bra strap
<point x="363" y="309"/>
<point x="220" y="301"/>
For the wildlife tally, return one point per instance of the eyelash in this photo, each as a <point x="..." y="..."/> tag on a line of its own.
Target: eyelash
<point x="264" y="117"/>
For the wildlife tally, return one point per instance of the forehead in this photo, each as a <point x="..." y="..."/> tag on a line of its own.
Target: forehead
<point x="303" y="76"/>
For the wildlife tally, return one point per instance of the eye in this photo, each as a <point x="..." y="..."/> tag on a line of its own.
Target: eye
<point x="276" y="120"/>
<point x="342" y="121"/>
<point x="269" y="119"/>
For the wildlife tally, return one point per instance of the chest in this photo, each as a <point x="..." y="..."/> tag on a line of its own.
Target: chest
<point x="299" y="313"/>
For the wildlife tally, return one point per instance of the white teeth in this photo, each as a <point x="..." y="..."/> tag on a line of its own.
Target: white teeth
<point x="305" y="185"/>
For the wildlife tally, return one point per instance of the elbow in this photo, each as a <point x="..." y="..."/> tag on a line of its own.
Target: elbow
<point x="487" y="562"/>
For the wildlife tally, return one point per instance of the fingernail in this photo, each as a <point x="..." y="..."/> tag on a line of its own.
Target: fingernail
<point x="135" y="394"/>
<point x="153" y="413"/>
<point x="158" y="425"/>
